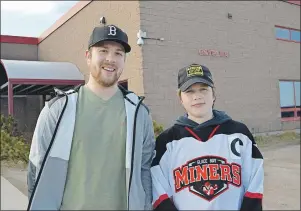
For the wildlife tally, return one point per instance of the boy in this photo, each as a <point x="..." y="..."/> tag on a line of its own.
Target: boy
<point x="206" y="160"/>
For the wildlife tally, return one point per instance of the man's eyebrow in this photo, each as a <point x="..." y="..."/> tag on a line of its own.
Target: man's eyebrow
<point x="106" y="47"/>
<point x="120" y="49"/>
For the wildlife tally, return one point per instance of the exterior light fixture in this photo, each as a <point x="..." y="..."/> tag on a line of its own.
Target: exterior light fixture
<point x="142" y="35"/>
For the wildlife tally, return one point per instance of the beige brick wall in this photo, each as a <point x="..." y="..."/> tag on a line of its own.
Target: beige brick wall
<point x="15" y="51"/>
<point x="69" y="42"/>
<point x="246" y="81"/>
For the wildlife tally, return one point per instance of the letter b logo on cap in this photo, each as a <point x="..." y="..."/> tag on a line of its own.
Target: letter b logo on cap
<point x="112" y="30"/>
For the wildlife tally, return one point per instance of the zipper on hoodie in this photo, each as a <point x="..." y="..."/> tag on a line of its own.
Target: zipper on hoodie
<point x="133" y="148"/>
<point x="47" y="152"/>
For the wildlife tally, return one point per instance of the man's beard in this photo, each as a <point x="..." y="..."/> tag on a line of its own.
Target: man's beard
<point x="103" y="81"/>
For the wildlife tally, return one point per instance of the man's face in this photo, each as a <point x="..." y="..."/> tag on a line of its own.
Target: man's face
<point x="198" y="100"/>
<point x="106" y="62"/>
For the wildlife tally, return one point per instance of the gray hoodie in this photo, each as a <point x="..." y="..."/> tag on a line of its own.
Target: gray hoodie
<point x="51" y="145"/>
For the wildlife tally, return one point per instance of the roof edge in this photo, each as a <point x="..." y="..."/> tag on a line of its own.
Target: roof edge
<point x="19" y="40"/>
<point x="62" y="20"/>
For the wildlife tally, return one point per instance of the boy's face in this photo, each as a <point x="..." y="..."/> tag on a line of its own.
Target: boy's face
<point x="198" y="100"/>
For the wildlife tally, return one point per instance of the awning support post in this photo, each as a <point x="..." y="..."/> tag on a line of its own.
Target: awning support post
<point x="10" y="99"/>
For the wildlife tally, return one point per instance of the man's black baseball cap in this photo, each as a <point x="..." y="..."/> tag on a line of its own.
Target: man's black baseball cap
<point x="192" y="74"/>
<point x="109" y="33"/>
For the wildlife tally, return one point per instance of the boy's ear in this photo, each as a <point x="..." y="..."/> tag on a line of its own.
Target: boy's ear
<point x="180" y="97"/>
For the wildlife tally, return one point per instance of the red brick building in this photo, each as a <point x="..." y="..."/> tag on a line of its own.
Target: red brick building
<point x="251" y="47"/>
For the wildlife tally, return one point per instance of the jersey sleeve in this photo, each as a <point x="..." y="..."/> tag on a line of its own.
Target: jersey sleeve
<point x="253" y="172"/>
<point x="162" y="191"/>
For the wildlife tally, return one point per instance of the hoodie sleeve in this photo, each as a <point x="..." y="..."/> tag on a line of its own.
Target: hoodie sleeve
<point x="40" y="141"/>
<point x="253" y="172"/>
<point x="162" y="191"/>
<point x="147" y="156"/>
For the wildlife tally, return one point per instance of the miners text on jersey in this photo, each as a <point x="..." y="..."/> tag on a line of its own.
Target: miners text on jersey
<point x="207" y="176"/>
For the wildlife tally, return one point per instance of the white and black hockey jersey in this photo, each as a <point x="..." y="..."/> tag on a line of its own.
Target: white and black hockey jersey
<point x="212" y="166"/>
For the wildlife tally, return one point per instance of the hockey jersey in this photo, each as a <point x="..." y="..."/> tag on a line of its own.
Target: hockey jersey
<point x="212" y="166"/>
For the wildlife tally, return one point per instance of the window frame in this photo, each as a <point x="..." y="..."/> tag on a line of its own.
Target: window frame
<point x="290" y="34"/>
<point x="294" y="109"/>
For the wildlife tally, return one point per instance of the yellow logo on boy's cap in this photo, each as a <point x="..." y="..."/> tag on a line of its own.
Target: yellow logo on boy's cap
<point x="194" y="70"/>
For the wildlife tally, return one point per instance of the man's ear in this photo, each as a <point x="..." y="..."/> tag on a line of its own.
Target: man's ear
<point x="88" y="55"/>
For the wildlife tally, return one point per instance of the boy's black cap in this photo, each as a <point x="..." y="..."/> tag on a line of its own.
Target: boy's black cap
<point x="192" y="74"/>
<point x="109" y="33"/>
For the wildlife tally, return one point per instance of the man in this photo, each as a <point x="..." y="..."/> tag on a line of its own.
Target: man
<point x="93" y="146"/>
<point x="206" y="160"/>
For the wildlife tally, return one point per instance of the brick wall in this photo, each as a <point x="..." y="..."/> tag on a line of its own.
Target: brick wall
<point x="246" y="81"/>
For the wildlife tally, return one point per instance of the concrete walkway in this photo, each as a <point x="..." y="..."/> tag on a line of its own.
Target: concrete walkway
<point x="11" y="197"/>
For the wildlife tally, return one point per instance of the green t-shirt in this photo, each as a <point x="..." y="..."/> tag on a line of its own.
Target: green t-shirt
<point x="96" y="172"/>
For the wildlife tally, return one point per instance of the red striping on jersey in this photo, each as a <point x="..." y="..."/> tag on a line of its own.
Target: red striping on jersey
<point x="160" y="200"/>
<point x="254" y="195"/>
<point x="193" y="133"/>
<point x="197" y="137"/>
<point x="213" y="132"/>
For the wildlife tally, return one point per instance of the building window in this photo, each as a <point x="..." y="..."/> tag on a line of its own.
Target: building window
<point x="295" y="35"/>
<point x="290" y="100"/>
<point x="287" y="34"/>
